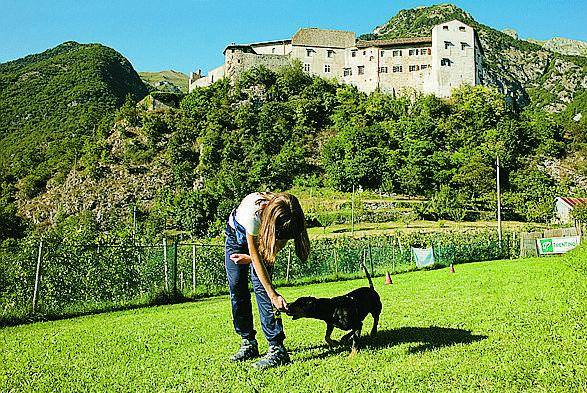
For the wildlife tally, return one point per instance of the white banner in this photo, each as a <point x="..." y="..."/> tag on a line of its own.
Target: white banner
<point x="423" y="256"/>
<point x="557" y="245"/>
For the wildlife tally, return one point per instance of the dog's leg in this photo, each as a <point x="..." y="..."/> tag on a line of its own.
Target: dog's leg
<point x="345" y="339"/>
<point x="329" y="341"/>
<point x="355" y="338"/>
<point x="375" y="323"/>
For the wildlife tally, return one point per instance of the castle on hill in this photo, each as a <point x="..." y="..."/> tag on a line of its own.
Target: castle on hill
<point x="450" y="57"/>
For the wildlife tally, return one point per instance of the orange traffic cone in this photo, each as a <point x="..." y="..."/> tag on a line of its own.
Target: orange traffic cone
<point x="452" y="268"/>
<point x="388" y="279"/>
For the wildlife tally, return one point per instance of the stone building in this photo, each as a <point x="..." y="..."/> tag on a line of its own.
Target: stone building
<point x="450" y="57"/>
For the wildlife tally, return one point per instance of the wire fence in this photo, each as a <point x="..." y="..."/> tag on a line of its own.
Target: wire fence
<point x="39" y="278"/>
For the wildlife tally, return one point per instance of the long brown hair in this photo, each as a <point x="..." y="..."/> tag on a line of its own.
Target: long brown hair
<point x="283" y="218"/>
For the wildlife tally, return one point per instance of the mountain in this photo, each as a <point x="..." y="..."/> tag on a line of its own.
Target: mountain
<point x="565" y="46"/>
<point x="169" y="81"/>
<point x="525" y="71"/>
<point x="51" y="103"/>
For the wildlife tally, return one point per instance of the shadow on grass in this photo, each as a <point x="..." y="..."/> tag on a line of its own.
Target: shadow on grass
<point x="427" y="338"/>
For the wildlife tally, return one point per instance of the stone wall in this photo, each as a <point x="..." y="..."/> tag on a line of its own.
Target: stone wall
<point x="237" y="61"/>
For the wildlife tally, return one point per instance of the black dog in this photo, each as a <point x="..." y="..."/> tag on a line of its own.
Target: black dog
<point x="343" y="312"/>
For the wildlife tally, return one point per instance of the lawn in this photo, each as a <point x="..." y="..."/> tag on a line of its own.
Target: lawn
<point x="492" y="326"/>
<point x="419" y="226"/>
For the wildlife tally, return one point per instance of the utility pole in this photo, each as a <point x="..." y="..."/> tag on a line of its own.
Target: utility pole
<point x="353" y="212"/>
<point x="498" y="203"/>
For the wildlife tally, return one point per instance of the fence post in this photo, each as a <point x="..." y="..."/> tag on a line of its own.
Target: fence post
<point x="334" y="251"/>
<point x="194" y="267"/>
<point x="37" y="277"/>
<point x="371" y="260"/>
<point x="363" y="258"/>
<point x="165" y="264"/>
<point x="288" y="265"/>
<point x="175" y="266"/>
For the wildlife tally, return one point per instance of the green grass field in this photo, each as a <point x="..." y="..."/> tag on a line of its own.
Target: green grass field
<point x="494" y="326"/>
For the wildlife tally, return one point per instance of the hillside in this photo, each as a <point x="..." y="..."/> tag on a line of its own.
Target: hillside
<point x="51" y="102"/>
<point x="524" y="71"/>
<point x="168" y="80"/>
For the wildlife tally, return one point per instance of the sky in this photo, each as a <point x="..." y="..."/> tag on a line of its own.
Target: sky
<point x="187" y="35"/>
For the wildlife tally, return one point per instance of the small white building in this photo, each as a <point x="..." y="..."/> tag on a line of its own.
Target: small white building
<point x="564" y="207"/>
<point x="451" y="56"/>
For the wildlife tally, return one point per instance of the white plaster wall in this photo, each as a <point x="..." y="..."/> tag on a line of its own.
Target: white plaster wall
<point x="563" y="212"/>
<point x="272" y="49"/>
<point x="373" y="58"/>
<point x="319" y="58"/>
<point x="462" y="67"/>
<point x="213" y="76"/>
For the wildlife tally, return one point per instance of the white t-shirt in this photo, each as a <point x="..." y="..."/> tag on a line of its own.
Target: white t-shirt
<point x="248" y="213"/>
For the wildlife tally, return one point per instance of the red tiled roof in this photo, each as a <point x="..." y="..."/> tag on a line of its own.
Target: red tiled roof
<point x="573" y="201"/>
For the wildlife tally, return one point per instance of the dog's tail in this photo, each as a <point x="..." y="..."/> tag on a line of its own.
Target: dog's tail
<point x="367" y="274"/>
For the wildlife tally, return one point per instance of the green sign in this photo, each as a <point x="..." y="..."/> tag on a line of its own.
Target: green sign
<point x="557" y="245"/>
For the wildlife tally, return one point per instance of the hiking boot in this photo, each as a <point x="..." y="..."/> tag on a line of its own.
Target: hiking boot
<point x="276" y="356"/>
<point x="249" y="350"/>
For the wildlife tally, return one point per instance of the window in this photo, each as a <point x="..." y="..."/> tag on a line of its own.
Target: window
<point x="383" y="70"/>
<point x="464" y="45"/>
<point x="329" y="53"/>
<point x="445" y="62"/>
<point x="424" y="66"/>
<point x="444" y="27"/>
<point x="361" y="70"/>
<point x="348" y="72"/>
<point x="414" y="68"/>
<point x="429" y="51"/>
<point x="326" y="67"/>
<point x="447" y="44"/>
<point x="364" y="52"/>
<point x="382" y="53"/>
<point x="411" y="52"/>
<point x="272" y="50"/>
<point x="354" y="53"/>
<point x="307" y="67"/>
<point x="309" y="52"/>
<point x="462" y="28"/>
<point x="396" y="53"/>
<point x="397" y="69"/>
<point x="370" y="58"/>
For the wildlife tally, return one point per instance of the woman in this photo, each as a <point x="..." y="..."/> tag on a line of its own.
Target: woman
<point x="256" y="231"/>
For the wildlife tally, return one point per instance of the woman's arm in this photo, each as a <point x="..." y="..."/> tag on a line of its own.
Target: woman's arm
<point x="277" y="300"/>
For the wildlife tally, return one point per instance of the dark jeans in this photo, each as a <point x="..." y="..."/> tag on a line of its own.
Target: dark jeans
<point x="240" y="297"/>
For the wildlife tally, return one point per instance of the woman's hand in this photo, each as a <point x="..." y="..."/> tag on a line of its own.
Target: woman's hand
<point x="279" y="302"/>
<point x="240" y="259"/>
